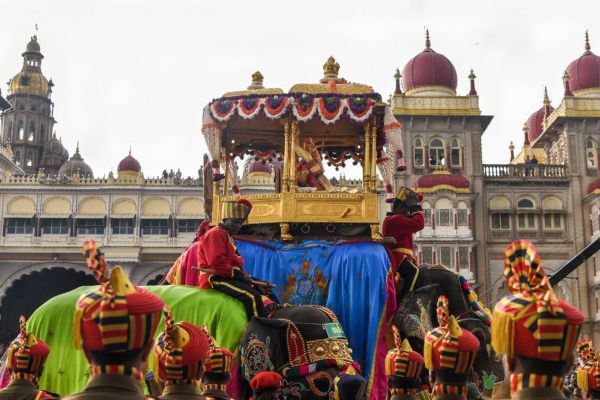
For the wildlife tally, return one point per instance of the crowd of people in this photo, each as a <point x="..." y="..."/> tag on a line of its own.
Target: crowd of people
<point x="116" y="324"/>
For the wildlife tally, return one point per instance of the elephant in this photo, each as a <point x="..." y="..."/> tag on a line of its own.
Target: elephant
<point x="307" y="346"/>
<point x="416" y="315"/>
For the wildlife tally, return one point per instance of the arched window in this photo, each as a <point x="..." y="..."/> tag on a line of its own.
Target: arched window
<point x="591" y="154"/>
<point x="419" y="152"/>
<point x="444" y="213"/>
<point x="526" y="214"/>
<point x="21" y="130"/>
<point x="31" y="132"/>
<point x="436" y="152"/>
<point x="552" y="209"/>
<point x="500" y="211"/>
<point x="455" y="156"/>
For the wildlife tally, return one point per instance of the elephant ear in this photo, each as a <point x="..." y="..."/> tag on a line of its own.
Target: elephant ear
<point x="415" y="311"/>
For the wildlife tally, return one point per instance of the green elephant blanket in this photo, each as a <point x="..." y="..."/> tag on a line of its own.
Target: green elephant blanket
<point x="67" y="370"/>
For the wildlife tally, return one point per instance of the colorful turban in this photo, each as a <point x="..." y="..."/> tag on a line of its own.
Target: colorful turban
<point x="118" y="316"/>
<point x="448" y="346"/>
<point x="26" y="354"/>
<point x="402" y="361"/>
<point x="180" y="351"/>
<point x="585" y="350"/>
<point x="219" y="361"/>
<point x="236" y="209"/>
<point x="531" y="321"/>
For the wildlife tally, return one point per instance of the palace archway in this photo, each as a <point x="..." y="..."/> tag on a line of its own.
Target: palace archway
<point x="33" y="286"/>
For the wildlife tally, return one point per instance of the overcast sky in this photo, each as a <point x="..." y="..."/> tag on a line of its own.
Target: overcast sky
<point x="139" y="72"/>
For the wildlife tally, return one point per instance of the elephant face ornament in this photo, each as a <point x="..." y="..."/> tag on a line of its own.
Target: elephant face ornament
<point x="307" y="346"/>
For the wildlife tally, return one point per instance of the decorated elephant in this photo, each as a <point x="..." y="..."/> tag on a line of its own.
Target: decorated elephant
<point x="416" y="315"/>
<point x="307" y="346"/>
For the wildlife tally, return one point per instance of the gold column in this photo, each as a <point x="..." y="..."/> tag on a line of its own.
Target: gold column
<point x="374" y="157"/>
<point x="293" y="181"/>
<point x="285" y="176"/>
<point x="226" y="172"/>
<point x="367" y="160"/>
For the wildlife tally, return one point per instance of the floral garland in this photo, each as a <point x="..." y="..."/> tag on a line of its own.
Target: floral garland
<point x="276" y="106"/>
<point x="330" y="106"/>
<point x="248" y="107"/>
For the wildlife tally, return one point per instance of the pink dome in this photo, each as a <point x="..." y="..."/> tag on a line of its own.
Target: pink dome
<point x="584" y="72"/>
<point x="442" y="180"/>
<point x="535" y="123"/>
<point x="594" y="186"/>
<point x="429" y="69"/>
<point x="129" y="164"/>
<point x="258" y="166"/>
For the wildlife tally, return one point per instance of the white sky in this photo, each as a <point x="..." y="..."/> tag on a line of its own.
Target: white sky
<point x="139" y="72"/>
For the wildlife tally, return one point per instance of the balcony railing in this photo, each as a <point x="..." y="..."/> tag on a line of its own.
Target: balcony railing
<point x="525" y="171"/>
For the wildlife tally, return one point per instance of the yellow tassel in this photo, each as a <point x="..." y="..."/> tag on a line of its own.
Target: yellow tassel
<point x="155" y="367"/>
<point x="503" y="329"/>
<point x="428" y="355"/>
<point x="9" y="357"/>
<point x="77" y="328"/>
<point x="582" y="380"/>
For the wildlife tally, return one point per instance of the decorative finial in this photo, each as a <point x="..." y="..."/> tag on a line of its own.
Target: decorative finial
<point x="330" y="70"/>
<point x="427" y="41"/>
<point x="546" y="98"/>
<point x="129" y="149"/>
<point x="257" y="81"/>
<point x="566" y="79"/>
<point x="511" y="147"/>
<point x="526" y="134"/>
<point x="472" y="76"/>
<point x="587" y="42"/>
<point x="397" y="76"/>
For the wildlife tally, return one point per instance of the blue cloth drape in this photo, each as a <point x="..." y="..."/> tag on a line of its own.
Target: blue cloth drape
<point x="349" y="279"/>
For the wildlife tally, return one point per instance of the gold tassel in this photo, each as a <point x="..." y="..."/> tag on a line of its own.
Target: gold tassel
<point x="77" y="328"/>
<point x="503" y="329"/>
<point x="582" y="380"/>
<point x="155" y="367"/>
<point x="428" y="355"/>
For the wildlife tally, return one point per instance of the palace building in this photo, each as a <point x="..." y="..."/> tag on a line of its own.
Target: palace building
<point x="50" y="202"/>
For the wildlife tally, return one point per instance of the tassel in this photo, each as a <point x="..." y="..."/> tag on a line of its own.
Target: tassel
<point x="428" y="355"/>
<point x="156" y="368"/>
<point x="503" y="330"/>
<point x="77" y="328"/>
<point x="582" y="380"/>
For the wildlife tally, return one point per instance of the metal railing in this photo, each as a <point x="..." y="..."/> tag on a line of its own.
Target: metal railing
<point x="544" y="171"/>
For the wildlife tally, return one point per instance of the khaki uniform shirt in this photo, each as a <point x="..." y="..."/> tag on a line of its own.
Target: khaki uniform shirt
<point x="544" y="393"/>
<point x="181" y="392"/>
<point x="22" y="389"/>
<point x="103" y="387"/>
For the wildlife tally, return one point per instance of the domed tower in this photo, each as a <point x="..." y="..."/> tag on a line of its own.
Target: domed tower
<point x="54" y="156"/>
<point x="76" y="166"/>
<point x="28" y="124"/>
<point x="129" y="168"/>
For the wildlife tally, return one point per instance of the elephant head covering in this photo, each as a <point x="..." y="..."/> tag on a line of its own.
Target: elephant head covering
<point x="118" y="316"/>
<point x="305" y="344"/>
<point x="180" y="351"/>
<point x="403" y="361"/>
<point x="531" y="322"/>
<point x="26" y="354"/>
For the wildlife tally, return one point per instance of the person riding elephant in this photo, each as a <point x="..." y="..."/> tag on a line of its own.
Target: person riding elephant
<point x="307" y="346"/>
<point x="405" y="219"/>
<point x="221" y="266"/>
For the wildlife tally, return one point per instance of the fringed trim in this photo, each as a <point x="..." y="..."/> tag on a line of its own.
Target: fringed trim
<point x="182" y="382"/>
<point x="583" y="379"/>
<point x="394" y="391"/>
<point x="28" y="377"/>
<point x="214" y="387"/>
<point x="428" y="354"/>
<point x="457" y="390"/>
<point x="118" y="370"/>
<point x="525" y="381"/>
